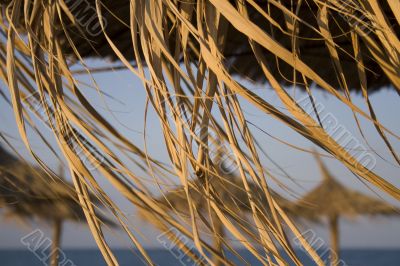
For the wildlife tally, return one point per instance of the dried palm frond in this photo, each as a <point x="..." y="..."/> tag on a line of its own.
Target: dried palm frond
<point x="187" y="55"/>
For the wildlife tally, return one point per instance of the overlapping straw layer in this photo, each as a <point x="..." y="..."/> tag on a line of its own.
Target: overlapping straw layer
<point x="187" y="55"/>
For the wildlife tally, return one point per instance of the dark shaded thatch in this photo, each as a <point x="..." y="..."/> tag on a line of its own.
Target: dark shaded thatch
<point x="90" y="42"/>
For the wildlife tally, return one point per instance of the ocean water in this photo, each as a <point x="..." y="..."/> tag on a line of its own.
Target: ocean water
<point x="353" y="257"/>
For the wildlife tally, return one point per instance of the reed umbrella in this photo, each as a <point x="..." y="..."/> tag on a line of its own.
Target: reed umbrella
<point x="84" y="35"/>
<point x="230" y="192"/>
<point x="240" y="58"/>
<point x="332" y="200"/>
<point x="27" y="192"/>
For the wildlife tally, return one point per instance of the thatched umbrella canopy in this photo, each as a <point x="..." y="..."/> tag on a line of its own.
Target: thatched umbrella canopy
<point x="230" y="192"/>
<point x="85" y="36"/>
<point x="240" y="58"/>
<point x="27" y="192"/>
<point x="332" y="200"/>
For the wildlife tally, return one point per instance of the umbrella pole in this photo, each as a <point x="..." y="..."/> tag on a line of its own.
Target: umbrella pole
<point x="334" y="231"/>
<point x="218" y="236"/>
<point x="55" y="246"/>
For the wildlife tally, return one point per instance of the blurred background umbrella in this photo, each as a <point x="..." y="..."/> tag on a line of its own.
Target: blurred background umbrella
<point x="231" y="194"/>
<point x="27" y="192"/>
<point x="332" y="200"/>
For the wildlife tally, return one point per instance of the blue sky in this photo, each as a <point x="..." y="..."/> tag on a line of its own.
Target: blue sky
<point x="126" y="113"/>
